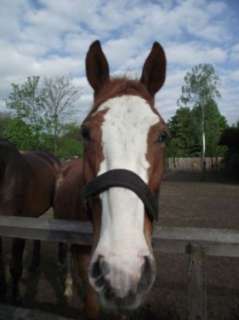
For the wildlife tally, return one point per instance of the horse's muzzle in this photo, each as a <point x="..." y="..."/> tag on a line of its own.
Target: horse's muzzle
<point x="117" y="287"/>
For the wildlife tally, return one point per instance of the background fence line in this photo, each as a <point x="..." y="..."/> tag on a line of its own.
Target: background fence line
<point x="194" y="163"/>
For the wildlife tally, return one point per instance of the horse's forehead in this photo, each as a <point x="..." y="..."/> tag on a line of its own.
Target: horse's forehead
<point x="130" y="113"/>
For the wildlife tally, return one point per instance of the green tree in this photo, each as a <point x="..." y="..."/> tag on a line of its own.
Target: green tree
<point x="236" y="125"/>
<point x="70" y="143"/>
<point x="199" y="91"/>
<point x="200" y="86"/>
<point x="215" y="123"/>
<point x="41" y="110"/>
<point x="4" y="121"/>
<point x="59" y="100"/>
<point x="18" y="132"/>
<point x="230" y="139"/>
<point x="181" y="129"/>
<point x="26" y="102"/>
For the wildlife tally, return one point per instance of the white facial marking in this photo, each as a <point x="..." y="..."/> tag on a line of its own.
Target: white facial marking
<point x="125" y="133"/>
<point x="124" y="140"/>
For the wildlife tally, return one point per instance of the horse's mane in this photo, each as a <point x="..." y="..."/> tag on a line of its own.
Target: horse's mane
<point x="49" y="157"/>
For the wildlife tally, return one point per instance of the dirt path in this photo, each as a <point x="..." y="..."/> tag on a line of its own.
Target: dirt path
<point x="188" y="202"/>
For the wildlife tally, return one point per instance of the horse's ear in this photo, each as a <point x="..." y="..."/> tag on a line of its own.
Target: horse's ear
<point x="97" y="68"/>
<point x="154" y="70"/>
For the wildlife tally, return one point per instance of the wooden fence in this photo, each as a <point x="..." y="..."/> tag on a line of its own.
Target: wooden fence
<point x="194" y="164"/>
<point x="195" y="242"/>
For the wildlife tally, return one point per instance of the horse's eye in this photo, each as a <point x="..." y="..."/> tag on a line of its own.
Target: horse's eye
<point x="163" y="137"/>
<point x="85" y="133"/>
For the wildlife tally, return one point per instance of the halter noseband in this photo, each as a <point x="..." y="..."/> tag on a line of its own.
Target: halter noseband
<point x="126" y="179"/>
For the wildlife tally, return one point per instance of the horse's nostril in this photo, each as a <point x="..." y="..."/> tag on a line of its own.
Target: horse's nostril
<point x="99" y="270"/>
<point x="96" y="268"/>
<point x="105" y="268"/>
<point x="147" y="265"/>
<point x="146" y="276"/>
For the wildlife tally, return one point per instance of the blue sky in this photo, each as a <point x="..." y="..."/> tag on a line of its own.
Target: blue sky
<point x="51" y="38"/>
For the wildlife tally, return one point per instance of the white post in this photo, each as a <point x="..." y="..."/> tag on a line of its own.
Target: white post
<point x="203" y="141"/>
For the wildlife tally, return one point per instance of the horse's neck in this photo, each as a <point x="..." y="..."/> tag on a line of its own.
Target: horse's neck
<point x="16" y="176"/>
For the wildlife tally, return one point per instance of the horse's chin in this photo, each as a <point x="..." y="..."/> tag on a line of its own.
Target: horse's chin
<point x="118" y="305"/>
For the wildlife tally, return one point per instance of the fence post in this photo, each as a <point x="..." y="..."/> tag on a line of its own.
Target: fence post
<point x="68" y="293"/>
<point x="197" y="286"/>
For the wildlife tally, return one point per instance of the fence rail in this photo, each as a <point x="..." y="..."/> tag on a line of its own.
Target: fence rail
<point x="215" y="242"/>
<point x="197" y="243"/>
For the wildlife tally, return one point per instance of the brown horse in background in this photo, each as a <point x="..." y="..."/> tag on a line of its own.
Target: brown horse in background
<point x="27" y="186"/>
<point x="67" y="202"/>
<point x="68" y="205"/>
<point x="116" y="185"/>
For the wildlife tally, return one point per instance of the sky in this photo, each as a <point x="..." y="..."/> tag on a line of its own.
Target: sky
<point x="50" y="38"/>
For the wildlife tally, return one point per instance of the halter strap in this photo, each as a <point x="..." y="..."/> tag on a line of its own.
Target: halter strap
<point x="126" y="179"/>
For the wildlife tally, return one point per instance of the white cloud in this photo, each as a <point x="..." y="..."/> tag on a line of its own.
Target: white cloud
<point x="234" y="75"/>
<point x="196" y="18"/>
<point x="119" y="51"/>
<point x="78" y="43"/>
<point x="194" y="53"/>
<point x="57" y="66"/>
<point x="15" y="66"/>
<point x="53" y="38"/>
<point x="2" y="105"/>
<point x="166" y="99"/>
<point x="11" y="14"/>
<point x="234" y="54"/>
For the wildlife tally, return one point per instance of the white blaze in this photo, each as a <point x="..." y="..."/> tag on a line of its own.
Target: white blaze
<point x="124" y="140"/>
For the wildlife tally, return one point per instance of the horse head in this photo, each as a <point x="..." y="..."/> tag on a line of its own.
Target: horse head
<point x="124" y="137"/>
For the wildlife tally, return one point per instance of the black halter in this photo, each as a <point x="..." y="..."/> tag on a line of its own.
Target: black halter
<point x="126" y="179"/>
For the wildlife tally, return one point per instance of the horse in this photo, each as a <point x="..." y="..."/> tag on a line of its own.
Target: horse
<point x="116" y="184"/>
<point x="27" y="187"/>
<point x="67" y="198"/>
